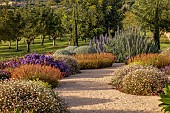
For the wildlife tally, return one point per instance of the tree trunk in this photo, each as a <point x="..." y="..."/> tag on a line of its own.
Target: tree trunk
<point x="60" y="38"/>
<point x="42" y="43"/>
<point x="28" y="46"/>
<point x="9" y="45"/>
<point x="33" y="42"/>
<point x="85" y="40"/>
<point x="76" y="31"/>
<point x="70" y="41"/>
<point x="74" y="43"/>
<point x="49" y="37"/>
<point x="17" y="45"/>
<point x="76" y="26"/>
<point x="156" y="33"/>
<point x="54" y="41"/>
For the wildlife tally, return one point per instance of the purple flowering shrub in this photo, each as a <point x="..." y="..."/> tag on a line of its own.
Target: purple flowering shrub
<point x="38" y="59"/>
<point x="166" y="69"/>
<point x="4" y="74"/>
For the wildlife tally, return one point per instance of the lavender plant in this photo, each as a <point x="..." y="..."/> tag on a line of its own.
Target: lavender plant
<point x="101" y="43"/>
<point x="125" y="44"/>
<point x="38" y="59"/>
<point x="131" y="42"/>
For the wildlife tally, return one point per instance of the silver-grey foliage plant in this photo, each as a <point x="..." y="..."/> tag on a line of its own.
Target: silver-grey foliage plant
<point x="125" y="43"/>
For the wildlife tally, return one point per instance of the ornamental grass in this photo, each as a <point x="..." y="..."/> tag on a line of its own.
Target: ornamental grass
<point x="94" y="61"/>
<point x="32" y="72"/>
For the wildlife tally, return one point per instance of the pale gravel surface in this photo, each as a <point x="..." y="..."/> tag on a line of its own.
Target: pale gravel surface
<point x="90" y="92"/>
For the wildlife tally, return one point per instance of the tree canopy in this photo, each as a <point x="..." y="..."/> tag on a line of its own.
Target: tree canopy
<point x="153" y="15"/>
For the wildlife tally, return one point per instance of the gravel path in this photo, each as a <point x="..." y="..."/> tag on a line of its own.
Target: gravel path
<point x="90" y="92"/>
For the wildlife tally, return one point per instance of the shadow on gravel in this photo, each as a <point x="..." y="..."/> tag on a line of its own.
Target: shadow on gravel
<point x="85" y="85"/>
<point x="81" y="101"/>
<point x="99" y="73"/>
<point x="107" y="111"/>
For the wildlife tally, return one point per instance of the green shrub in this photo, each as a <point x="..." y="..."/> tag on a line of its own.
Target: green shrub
<point x="29" y="95"/>
<point x="62" y="52"/>
<point x="4" y="74"/>
<point x="131" y="42"/>
<point x="70" y="62"/>
<point x="32" y="72"/>
<point x="94" y="61"/>
<point x="165" y="99"/>
<point x="144" y="82"/>
<point x="70" y="48"/>
<point x="121" y="72"/>
<point x="85" y="50"/>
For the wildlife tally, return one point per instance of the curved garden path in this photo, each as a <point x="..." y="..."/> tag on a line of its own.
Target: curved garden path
<point x="90" y="92"/>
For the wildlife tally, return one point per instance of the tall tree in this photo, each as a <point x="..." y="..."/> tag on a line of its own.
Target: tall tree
<point x="73" y="14"/>
<point x="29" y="15"/>
<point x="113" y="14"/>
<point x="153" y="15"/>
<point x="43" y="14"/>
<point x="17" y="24"/>
<point x="10" y="26"/>
<point x="89" y="18"/>
<point x="54" y="26"/>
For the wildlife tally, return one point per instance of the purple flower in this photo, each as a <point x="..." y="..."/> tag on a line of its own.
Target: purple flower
<point x="38" y="59"/>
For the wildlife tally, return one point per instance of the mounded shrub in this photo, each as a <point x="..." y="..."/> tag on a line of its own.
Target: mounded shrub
<point x="29" y="96"/>
<point x="62" y="52"/>
<point x="70" y="49"/>
<point x="156" y="60"/>
<point x="4" y="74"/>
<point x="166" y="69"/>
<point x="85" y="50"/>
<point x="70" y="62"/>
<point x="38" y="59"/>
<point x="144" y="82"/>
<point x="2" y="65"/>
<point x="121" y="72"/>
<point x="166" y="51"/>
<point x="94" y="61"/>
<point x="33" y="72"/>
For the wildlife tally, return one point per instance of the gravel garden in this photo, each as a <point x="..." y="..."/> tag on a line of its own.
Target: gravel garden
<point x="84" y="56"/>
<point x="87" y="79"/>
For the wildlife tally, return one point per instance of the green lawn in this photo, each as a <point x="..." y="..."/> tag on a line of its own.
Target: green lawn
<point x="164" y="42"/>
<point x="6" y="53"/>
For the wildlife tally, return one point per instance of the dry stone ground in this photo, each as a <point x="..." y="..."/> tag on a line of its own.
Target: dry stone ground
<point x="90" y="92"/>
